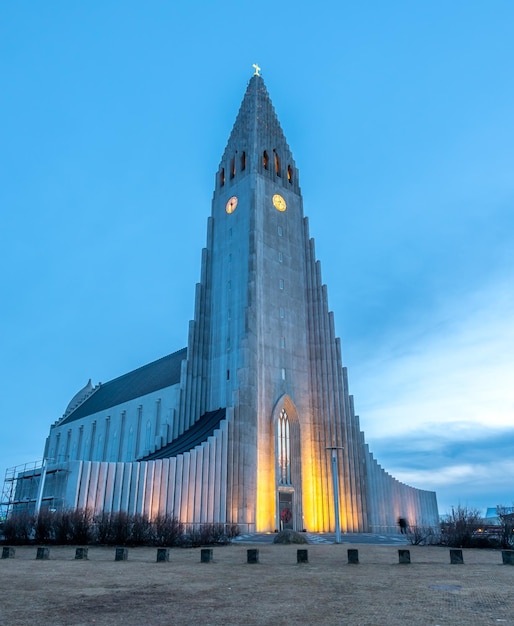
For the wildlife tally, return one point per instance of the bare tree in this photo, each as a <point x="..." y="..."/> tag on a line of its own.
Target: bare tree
<point x="506" y="516"/>
<point x="458" y="527"/>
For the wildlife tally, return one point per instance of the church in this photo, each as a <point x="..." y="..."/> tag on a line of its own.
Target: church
<point x="252" y="423"/>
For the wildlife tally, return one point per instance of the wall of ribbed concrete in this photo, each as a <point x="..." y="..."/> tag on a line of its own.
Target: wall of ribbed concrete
<point x="190" y="486"/>
<point x="390" y="499"/>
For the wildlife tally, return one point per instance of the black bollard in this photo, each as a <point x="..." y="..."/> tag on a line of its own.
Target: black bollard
<point x="121" y="554"/>
<point x="353" y="556"/>
<point x="81" y="553"/>
<point x="206" y="555"/>
<point x="163" y="555"/>
<point x="43" y="554"/>
<point x="252" y="555"/>
<point x="508" y="557"/>
<point x="456" y="557"/>
<point x="302" y="556"/>
<point x="8" y="552"/>
<point x="404" y="556"/>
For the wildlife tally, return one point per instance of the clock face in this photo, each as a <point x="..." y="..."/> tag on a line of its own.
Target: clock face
<point x="279" y="203"/>
<point x="230" y="207"/>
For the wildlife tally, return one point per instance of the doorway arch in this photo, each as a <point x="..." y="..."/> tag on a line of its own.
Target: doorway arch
<point x="288" y="467"/>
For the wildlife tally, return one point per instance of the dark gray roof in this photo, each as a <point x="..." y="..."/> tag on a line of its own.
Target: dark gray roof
<point x="192" y="437"/>
<point x="152" y="377"/>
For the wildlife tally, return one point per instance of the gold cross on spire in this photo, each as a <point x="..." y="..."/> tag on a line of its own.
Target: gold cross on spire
<point x="257" y="69"/>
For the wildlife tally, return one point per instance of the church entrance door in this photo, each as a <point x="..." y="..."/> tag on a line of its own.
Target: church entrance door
<point x="285" y="507"/>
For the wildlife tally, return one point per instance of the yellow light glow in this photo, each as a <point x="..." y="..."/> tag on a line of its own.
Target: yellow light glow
<point x="279" y="203"/>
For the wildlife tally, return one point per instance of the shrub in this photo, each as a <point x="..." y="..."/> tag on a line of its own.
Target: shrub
<point x="486" y="542"/>
<point x="167" y="530"/>
<point x="209" y="534"/>
<point x="44" y="527"/>
<point x="459" y="526"/>
<point x="506" y="517"/>
<point x="423" y="535"/>
<point x="80" y="526"/>
<point x="62" y="527"/>
<point x="120" y="528"/>
<point x="289" y="536"/>
<point x="140" y="531"/>
<point x="232" y="531"/>
<point x="113" y="529"/>
<point x="19" y="528"/>
<point x="103" y="528"/>
<point x="195" y="536"/>
<point x="218" y="534"/>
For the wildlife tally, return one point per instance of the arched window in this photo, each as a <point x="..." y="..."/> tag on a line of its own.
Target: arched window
<point x="222" y="177"/>
<point x="243" y="161"/>
<point x="232" y="167"/>
<point x="289" y="174"/>
<point x="284" y="449"/>
<point x="265" y="159"/>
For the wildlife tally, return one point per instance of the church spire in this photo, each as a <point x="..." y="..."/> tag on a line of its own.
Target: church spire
<point x="257" y="142"/>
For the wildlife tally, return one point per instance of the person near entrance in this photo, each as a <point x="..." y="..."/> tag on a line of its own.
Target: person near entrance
<point x="402" y="523"/>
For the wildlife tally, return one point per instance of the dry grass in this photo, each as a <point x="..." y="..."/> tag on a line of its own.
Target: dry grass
<point x="278" y="591"/>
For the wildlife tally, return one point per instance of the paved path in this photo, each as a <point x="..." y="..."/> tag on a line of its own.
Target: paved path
<point x="324" y="538"/>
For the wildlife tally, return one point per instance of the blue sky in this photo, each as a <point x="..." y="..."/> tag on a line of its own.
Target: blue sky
<point x="114" y="116"/>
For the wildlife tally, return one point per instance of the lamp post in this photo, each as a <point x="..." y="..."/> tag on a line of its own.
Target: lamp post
<point x="335" y="482"/>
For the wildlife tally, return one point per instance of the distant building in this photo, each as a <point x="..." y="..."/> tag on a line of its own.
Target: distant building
<point x="492" y="511"/>
<point x="246" y="424"/>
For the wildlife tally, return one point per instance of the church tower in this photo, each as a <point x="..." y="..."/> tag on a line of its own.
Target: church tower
<point x="263" y="342"/>
<point x="252" y="423"/>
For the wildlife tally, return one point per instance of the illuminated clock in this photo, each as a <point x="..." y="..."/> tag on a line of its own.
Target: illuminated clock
<point x="279" y="203"/>
<point x="230" y="207"/>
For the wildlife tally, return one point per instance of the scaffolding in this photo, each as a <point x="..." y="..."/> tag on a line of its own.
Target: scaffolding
<point x="29" y="486"/>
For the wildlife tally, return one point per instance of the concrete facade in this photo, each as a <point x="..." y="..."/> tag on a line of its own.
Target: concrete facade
<point x="237" y="428"/>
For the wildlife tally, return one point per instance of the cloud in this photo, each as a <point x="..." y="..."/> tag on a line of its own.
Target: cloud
<point x="433" y="452"/>
<point x="478" y="484"/>
<point x="455" y="372"/>
<point x="479" y="475"/>
<point x="436" y="399"/>
<point x="477" y="472"/>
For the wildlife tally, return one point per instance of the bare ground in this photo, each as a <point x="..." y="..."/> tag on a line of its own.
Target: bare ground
<point x="63" y="591"/>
